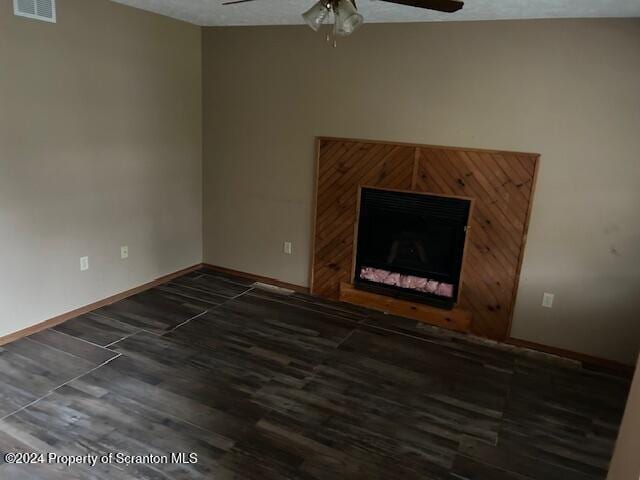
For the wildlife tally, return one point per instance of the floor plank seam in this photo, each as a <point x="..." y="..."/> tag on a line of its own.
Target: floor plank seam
<point x="187" y="321"/>
<point x="125" y="337"/>
<point x="70" y="336"/>
<point x="99" y="313"/>
<point x="59" y="386"/>
<point x="520" y="353"/>
<point x="193" y="288"/>
<point x="228" y="300"/>
<point x="250" y="289"/>
<point x="404" y="334"/>
<point x="276" y="386"/>
<point x="33" y="402"/>
<point x="334" y="314"/>
<point x="69" y="354"/>
<point x="347" y="336"/>
<point x="182" y="420"/>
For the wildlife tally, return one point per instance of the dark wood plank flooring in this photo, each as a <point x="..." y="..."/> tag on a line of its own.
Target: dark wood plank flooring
<point x="265" y="384"/>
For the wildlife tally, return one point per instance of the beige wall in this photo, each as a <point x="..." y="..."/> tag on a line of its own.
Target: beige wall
<point x="567" y="89"/>
<point x="100" y="146"/>
<point x="625" y="464"/>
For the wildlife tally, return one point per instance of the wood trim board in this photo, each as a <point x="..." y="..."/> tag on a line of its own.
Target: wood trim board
<point x="524" y="243"/>
<point x="420" y="145"/>
<point x="257" y="278"/>
<point x="583" y="358"/>
<point x="52" y="322"/>
<point x="501" y="184"/>
<point x="456" y="319"/>
<point x="58" y="319"/>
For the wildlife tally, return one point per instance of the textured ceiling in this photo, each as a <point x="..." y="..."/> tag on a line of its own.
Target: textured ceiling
<point x="287" y="12"/>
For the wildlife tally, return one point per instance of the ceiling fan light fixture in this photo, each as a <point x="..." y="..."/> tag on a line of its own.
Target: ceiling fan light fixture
<point x="316" y="15"/>
<point x="347" y="18"/>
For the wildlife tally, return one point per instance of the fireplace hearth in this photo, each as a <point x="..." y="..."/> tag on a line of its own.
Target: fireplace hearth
<point x="411" y="245"/>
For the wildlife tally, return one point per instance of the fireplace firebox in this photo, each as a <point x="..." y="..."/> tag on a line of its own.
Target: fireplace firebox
<point x="411" y="245"/>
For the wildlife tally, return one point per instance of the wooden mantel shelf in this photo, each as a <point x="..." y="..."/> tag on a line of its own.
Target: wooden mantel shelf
<point x="456" y="319"/>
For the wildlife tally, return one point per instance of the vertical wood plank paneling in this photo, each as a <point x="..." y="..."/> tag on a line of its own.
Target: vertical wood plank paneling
<point x="500" y="182"/>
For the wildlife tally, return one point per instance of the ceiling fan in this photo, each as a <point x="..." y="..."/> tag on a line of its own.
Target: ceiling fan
<point x="347" y="18"/>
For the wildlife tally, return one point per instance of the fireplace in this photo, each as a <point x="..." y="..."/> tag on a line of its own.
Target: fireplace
<point x="411" y="245"/>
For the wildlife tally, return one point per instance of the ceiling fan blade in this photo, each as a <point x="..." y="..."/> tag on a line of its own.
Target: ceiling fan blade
<point x="237" y="1"/>
<point x="449" y="6"/>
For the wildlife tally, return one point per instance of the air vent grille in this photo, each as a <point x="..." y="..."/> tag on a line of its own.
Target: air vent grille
<point x="44" y="10"/>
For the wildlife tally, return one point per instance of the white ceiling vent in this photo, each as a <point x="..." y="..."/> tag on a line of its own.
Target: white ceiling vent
<point x="44" y="10"/>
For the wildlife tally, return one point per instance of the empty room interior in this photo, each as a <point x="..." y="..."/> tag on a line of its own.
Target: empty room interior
<point x="334" y="239"/>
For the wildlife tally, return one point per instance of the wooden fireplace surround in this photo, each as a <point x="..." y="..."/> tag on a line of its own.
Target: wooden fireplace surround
<point x="500" y="183"/>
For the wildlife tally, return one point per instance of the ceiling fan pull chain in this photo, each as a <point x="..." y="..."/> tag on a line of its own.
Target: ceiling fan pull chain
<point x="332" y="40"/>
<point x="347" y="18"/>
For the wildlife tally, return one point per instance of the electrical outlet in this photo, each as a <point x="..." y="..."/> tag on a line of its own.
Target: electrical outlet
<point x="287" y="248"/>
<point x="124" y="251"/>
<point x="547" y="300"/>
<point x="84" y="263"/>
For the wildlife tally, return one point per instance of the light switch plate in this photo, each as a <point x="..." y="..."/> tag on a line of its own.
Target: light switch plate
<point x="84" y="263"/>
<point x="547" y="300"/>
<point x="124" y="251"/>
<point x="287" y="248"/>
